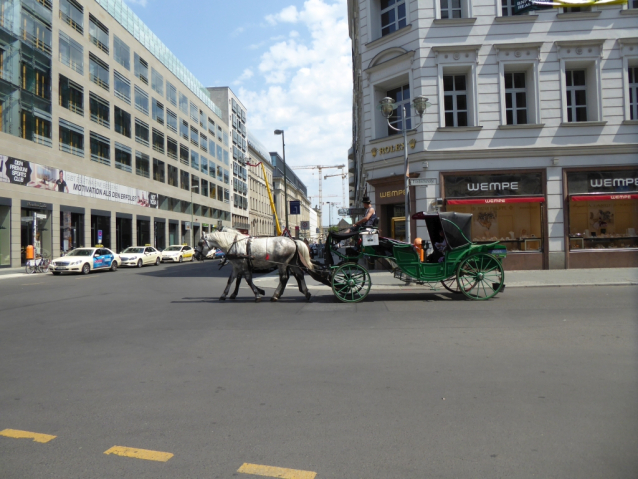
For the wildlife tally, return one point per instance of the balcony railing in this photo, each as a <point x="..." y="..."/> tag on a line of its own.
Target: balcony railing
<point x="98" y="81"/>
<point x="72" y="149"/>
<point x="142" y="141"/>
<point x="171" y="154"/>
<point x="78" y="67"/>
<point x="100" y="121"/>
<point x="42" y="140"/>
<point x="123" y="167"/>
<point x="99" y="44"/>
<point x="75" y="109"/>
<point x="122" y="96"/>
<point x="158" y="148"/>
<point x="72" y="23"/>
<point x="100" y="159"/>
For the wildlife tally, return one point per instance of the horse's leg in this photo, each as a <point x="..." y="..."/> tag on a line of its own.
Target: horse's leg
<point x="234" y="295"/>
<point x="249" y="280"/>
<point x="301" y="282"/>
<point x="283" y="279"/>
<point x="230" y="280"/>
<point x="261" y="291"/>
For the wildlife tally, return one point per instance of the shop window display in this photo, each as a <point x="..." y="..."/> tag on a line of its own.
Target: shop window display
<point x="39" y="234"/>
<point x="5" y="236"/>
<point x="516" y="225"/>
<point x="603" y="224"/>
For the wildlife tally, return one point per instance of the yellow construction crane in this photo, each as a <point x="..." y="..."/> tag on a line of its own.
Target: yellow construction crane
<point x="272" y="202"/>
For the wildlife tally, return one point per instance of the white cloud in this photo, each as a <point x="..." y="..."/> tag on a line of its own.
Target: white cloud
<point x="246" y="74"/>
<point x="307" y="91"/>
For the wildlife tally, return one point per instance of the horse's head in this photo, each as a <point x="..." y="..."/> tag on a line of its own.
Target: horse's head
<point x="205" y="244"/>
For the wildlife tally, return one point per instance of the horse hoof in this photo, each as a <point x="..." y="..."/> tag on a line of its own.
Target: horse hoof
<point x="257" y="300"/>
<point x="308" y="296"/>
<point x="222" y="299"/>
<point x="273" y="299"/>
<point x="232" y="297"/>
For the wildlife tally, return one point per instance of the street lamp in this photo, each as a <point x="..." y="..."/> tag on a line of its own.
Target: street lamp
<point x="192" y="213"/>
<point x="387" y="107"/>
<point x="283" y="148"/>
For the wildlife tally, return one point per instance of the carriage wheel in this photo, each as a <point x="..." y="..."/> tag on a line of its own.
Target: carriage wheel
<point x="351" y="283"/>
<point x="480" y="276"/>
<point x="451" y="284"/>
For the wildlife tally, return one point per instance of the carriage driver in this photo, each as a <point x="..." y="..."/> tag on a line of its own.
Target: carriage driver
<point x="369" y="217"/>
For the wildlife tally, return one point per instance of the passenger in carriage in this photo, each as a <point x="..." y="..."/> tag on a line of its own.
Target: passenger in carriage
<point x="438" y="255"/>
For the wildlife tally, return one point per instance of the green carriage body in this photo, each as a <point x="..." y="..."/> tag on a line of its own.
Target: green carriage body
<point x="472" y="269"/>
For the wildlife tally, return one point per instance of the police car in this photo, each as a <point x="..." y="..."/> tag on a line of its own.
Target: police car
<point x="139" y="256"/>
<point x="85" y="260"/>
<point x="178" y="253"/>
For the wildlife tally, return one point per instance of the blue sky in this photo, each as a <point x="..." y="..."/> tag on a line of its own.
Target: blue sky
<point x="289" y="61"/>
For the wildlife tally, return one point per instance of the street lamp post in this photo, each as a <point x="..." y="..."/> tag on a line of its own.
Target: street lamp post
<point x="192" y="214"/>
<point x="283" y="149"/>
<point x="387" y="107"/>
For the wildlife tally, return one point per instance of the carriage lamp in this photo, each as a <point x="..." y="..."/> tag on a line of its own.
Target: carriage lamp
<point x="388" y="106"/>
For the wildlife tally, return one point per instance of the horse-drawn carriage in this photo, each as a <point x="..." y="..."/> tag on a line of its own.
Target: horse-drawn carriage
<point x="474" y="270"/>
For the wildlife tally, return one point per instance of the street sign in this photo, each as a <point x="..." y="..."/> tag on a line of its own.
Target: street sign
<point x="351" y="211"/>
<point x="295" y="207"/>
<point x="40" y="216"/>
<point x="422" y="181"/>
<point x="305" y="225"/>
<point x="99" y="236"/>
<point x="522" y="6"/>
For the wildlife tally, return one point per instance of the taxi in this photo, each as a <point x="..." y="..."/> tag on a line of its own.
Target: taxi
<point x="85" y="260"/>
<point x="139" y="256"/>
<point x="178" y="253"/>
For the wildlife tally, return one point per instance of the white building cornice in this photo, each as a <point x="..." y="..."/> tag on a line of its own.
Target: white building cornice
<point x="461" y="53"/>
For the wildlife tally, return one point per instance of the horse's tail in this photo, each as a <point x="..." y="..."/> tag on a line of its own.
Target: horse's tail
<point x="304" y="253"/>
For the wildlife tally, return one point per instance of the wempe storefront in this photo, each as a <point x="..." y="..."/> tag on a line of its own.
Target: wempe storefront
<point x="601" y="207"/>
<point x="508" y="207"/>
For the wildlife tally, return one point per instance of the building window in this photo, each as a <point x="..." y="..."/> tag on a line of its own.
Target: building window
<point x="158" y="141"/>
<point x="576" y="9"/>
<point x="140" y="69"/>
<point x="455" y="98"/>
<point x="98" y="34"/>
<point x="507" y="7"/>
<point x="172" y="177"/>
<point x="205" y="188"/>
<point x="121" y="53"/>
<point x="633" y="90"/>
<point x="72" y="14"/>
<point x="98" y="72"/>
<point x="194" y="111"/>
<point x="183" y="103"/>
<point x="158" y="111"/>
<point x="203" y="142"/>
<point x="71" y="96"/>
<point x="157" y="81"/>
<point x="194" y="160"/>
<point x="211" y="147"/>
<point x="100" y="110"/>
<point x="576" y="95"/>
<point x="171" y="148"/>
<point x="451" y="9"/>
<point x="141" y="132"/>
<point x="35" y="78"/>
<point x="401" y="97"/>
<point x="220" y="173"/>
<point x="123" y="158"/>
<point x="71" y="138"/>
<point x="211" y="127"/>
<point x="122" y="87"/>
<point x="183" y="129"/>
<point x="194" y="184"/>
<point x="36" y="33"/>
<point x="515" y="98"/>
<point x="184" y="180"/>
<point x="141" y="100"/>
<point x="71" y="53"/>
<point x="100" y="149"/>
<point x="204" y="165"/>
<point x="158" y="170"/>
<point x="142" y="165"/>
<point x="194" y="136"/>
<point x="122" y="120"/>
<point x="183" y="154"/>
<point x="171" y="94"/>
<point x="171" y="120"/>
<point x="392" y="16"/>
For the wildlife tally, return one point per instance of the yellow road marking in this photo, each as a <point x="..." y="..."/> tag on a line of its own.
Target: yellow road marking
<point x="140" y="453"/>
<point x="271" y="471"/>
<point x="16" y="434"/>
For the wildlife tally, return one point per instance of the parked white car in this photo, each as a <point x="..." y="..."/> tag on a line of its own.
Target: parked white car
<point x="139" y="256"/>
<point x="178" y="253"/>
<point x="85" y="260"/>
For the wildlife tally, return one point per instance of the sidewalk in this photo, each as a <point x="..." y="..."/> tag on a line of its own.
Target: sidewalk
<point x="513" y="279"/>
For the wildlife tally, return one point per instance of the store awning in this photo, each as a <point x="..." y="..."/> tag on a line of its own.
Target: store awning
<point x="619" y="196"/>
<point x="496" y="201"/>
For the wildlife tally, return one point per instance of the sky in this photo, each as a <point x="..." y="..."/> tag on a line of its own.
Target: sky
<point x="288" y="61"/>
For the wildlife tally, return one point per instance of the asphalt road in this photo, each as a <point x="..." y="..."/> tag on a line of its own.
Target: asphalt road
<point x="538" y="382"/>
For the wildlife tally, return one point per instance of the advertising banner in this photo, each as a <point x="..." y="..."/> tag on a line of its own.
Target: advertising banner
<point x="601" y="182"/>
<point x="493" y="185"/>
<point x="33" y="175"/>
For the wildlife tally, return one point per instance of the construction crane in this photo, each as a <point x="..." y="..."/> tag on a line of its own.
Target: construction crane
<point x="320" y="168"/>
<point x="325" y="196"/>
<point x="343" y="184"/>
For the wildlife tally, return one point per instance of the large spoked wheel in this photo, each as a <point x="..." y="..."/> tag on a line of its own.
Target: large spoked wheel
<point x="480" y="276"/>
<point x="451" y="284"/>
<point x="351" y="283"/>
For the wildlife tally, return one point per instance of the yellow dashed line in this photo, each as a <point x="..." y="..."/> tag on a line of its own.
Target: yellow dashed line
<point x="271" y="471"/>
<point x="16" y="434"/>
<point x="140" y="453"/>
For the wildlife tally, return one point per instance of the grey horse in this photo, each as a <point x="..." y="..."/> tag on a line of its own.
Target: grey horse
<point x="247" y="255"/>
